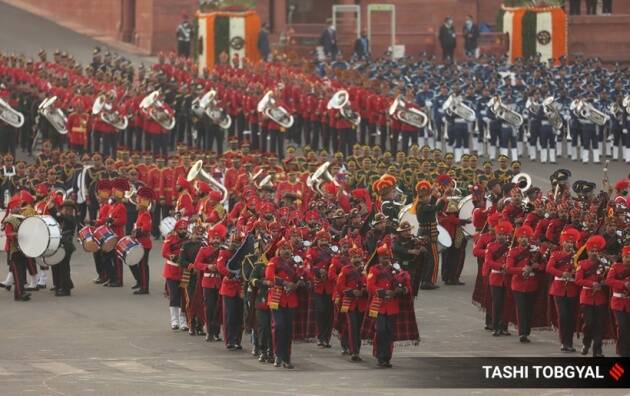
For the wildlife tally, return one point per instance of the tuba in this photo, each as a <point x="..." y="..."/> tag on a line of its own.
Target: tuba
<point x="341" y="101"/>
<point x="587" y="111"/>
<point x="523" y="181"/>
<point x="454" y="105"/>
<point x="411" y="116"/>
<point x="504" y="112"/>
<point x="319" y="177"/>
<point x="280" y="115"/>
<point x="626" y="103"/>
<point x="54" y="115"/>
<point x="214" y="112"/>
<point x="155" y="109"/>
<point x="197" y="172"/>
<point x="552" y="113"/>
<point x="615" y="110"/>
<point x="10" y="115"/>
<point x="107" y="115"/>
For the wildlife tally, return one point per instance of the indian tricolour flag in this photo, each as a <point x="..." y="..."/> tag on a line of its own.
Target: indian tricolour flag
<point x="535" y="30"/>
<point x="227" y="32"/>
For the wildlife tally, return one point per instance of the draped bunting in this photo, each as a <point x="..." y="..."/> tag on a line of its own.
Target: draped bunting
<point x="229" y="32"/>
<point x="535" y="30"/>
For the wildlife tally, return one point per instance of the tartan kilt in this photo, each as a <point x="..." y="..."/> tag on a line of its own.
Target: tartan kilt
<point x="405" y="323"/>
<point x="304" y="320"/>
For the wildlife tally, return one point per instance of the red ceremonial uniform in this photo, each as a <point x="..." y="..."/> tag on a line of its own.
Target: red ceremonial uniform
<point x="207" y="256"/>
<point x="495" y="263"/>
<point x="517" y="258"/>
<point x="560" y="262"/>
<point x="170" y="251"/>
<point x="230" y="286"/>
<point x="143" y="224"/>
<point x="618" y="276"/>
<point x="279" y="273"/>
<point x="350" y="279"/>
<point x="317" y="261"/>
<point x="380" y="280"/>
<point x="585" y="276"/>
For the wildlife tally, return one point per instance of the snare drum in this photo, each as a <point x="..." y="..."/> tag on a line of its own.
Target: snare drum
<point x="444" y="238"/>
<point x="105" y="238"/>
<point x="86" y="237"/>
<point x="56" y="257"/>
<point x="167" y="225"/>
<point x="129" y="250"/>
<point x="39" y="236"/>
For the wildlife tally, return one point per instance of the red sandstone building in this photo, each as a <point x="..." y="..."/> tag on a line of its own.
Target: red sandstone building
<point x="150" y="24"/>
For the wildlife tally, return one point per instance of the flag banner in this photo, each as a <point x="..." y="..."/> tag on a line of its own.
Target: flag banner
<point x="535" y="31"/>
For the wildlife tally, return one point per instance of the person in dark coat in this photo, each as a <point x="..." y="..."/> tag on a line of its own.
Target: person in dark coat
<point x="447" y="38"/>
<point x="362" y="47"/>
<point x="263" y="42"/>
<point x="328" y="40"/>
<point x="471" y="37"/>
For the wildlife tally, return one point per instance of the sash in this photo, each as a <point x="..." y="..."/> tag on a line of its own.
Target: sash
<point x="274" y="301"/>
<point x="375" y="306"/>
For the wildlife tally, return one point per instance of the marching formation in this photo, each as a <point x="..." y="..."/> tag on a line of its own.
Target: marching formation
<point x="339" y="237"/>
<point x="543" y="110"/>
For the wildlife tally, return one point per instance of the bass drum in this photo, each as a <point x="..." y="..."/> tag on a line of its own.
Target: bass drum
<point x="407" y="214"/>
<point x="3" y="235"/>
<point x="466" y="208"/>
<point x="444" y="238"/>
<point x="39" y="236"/>
<point x="167" y="225"/>
<point x="56" y="257"/>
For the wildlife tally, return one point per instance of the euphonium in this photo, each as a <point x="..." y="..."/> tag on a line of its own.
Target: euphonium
<point x="54" y="115"/>
<point x="552" y="113"/>
<point x="411" y="116"/>
<point x="107" y="115"/>
<point x="197" y="172"/>
<point x="280" y="115"/>
<point x="341" y="101"/>
<point x="10" y="115"/>
<point x="155" y="109"/>
<point x="505" y="113"/>
<point x="454" y="105"/>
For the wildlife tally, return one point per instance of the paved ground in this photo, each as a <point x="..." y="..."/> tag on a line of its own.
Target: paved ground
<point x="105" y="341"/>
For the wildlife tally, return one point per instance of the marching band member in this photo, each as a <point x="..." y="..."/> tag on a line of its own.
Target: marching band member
<point x="593" y="297"/>
<point x="282" y="300"/>
<point x="231" y="292"/>
<point x="206" y="263"/>
<point x="116" y="219"/>
<point x="351" y="290"/>
<point x="191" y="282"/>
<point x="522" y="264"/>
<point x="428" y="204"/>
<point x="563" y="289"/>
<point x="318" y="260"/>
<point x="142" y="232"/>
<point x="104" y="190"/>
<point x="172" y="272"/>
<point x="68" y="222"/>
<point x="16" y="259"/>
<point x="618" y="279"/>
<point x="495" y="264"/>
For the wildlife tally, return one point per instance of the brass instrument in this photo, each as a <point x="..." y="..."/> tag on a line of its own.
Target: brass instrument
<point x="523" y="181"/>
<point x="10" y="115"/>
<point x="552" y="114"/>
<point x="455" y="105"/>
<point x="408" y="115"/>
<point x="54" y="115"/>
<point x="341" y="101"/>
<point x="586" y="111"/>
<point x="280" y="115"/>
<point x="197" y="172"/>
<point x="208" y="105"/>
<point x="319" y="177"/>
<point x="626" y="103"/>
<point x="155" y="109"/>
<point x="107" y="115"/>
<point x="504" y="112"/>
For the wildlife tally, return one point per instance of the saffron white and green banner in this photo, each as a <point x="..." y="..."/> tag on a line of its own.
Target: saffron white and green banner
<point x="226" y="32"/>
<point x="533" y="30"/>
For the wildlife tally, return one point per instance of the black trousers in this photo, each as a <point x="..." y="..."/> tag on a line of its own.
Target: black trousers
<point x="354" y="319"/>
<point x="567" y="315"/>
<point x="109" y="144"/>
<point x="547" y="137"/>
<point x="140" y="271"/>
<point x="384" y="337"/>
<point x="409" y="138"/>
<point x="17" y="266"/>
<point x="211" y="301"/>
<point x="255" y="135"/>
<point x="233" y="319"/>
<point x="174" y="293"/>
<point x="98" y="264"/>
<point x="282" y="332"/>
<point x="263" y="331"/>
<point x="430" y="264"/>
<point x="61" y="272"/>
<point x="589" y="136"/>
<point x="277" y="143"/>
<point x="346" y="139"/>
<point x="498" y="299"/>
<point x="323" y="309"/>
<point x="594" y="317"/>
<point x="183" y="48"/>
<point x="113" y="265"/>
<point x="159" y="143"/>
<point x="264" y="134"/>
<point x="393" y="140"/>
<point x="216" y="135"/>
<point x="315" y="134"/>
<point x="623" y="335"/>
<point x="447" y="52"/>
<point x="525" y="310"/>
<point x="364" y="130"/>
